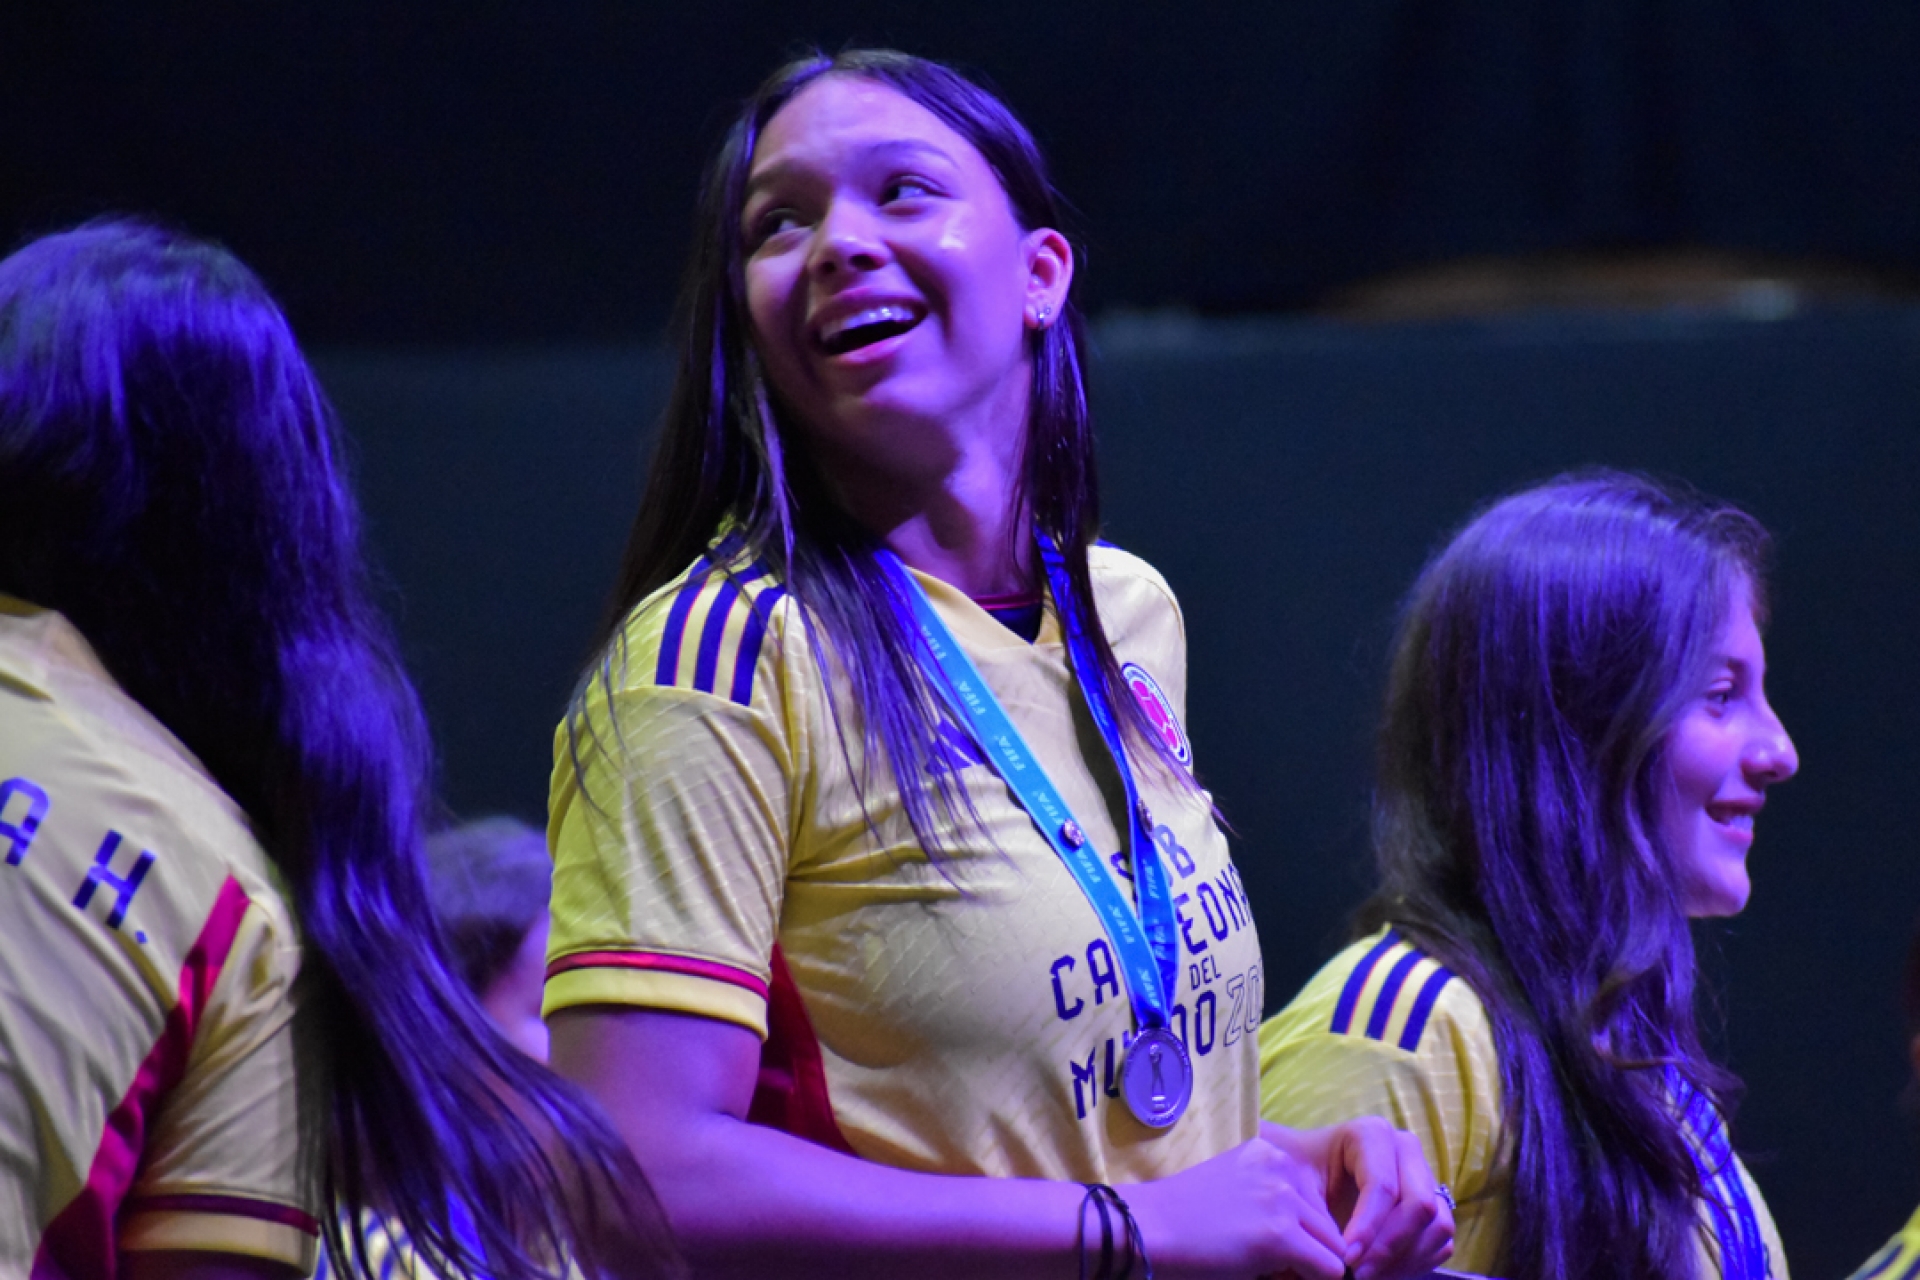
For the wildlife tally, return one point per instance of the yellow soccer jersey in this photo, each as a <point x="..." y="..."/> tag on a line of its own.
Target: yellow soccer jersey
<point x="147" y="1076"/>
<point x="1386" y="1030"/>
<point x="966" y="1017"/>
<point x="1898" y="1259"/>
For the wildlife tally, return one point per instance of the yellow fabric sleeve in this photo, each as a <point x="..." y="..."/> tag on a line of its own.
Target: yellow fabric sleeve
<point x="671" y="822"/>
<point x="220" y="1233"/>
<point x="673" y="992"/>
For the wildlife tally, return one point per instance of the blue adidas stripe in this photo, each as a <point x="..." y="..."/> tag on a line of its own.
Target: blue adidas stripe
<point x="1893" y="1253"/>
<point x="708" y="661"/>
<point x="758" y="614"/>
<point x="1881" y="1261"/>
<point x="1356" y="981"/>
<point x="1391" y="988"/>
<point x="668" y="666"/>
<point x="1390" y="994"/>
<point x="706" y="667"/>
<point x="1423" y="1008"/>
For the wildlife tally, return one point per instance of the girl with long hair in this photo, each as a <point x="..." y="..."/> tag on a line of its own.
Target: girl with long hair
<point x="886" y="910"/>
<point x="226" y="1022"/>
<point x="1576" y="743"/>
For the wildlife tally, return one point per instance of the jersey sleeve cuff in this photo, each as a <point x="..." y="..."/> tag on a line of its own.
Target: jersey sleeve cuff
<point x="652" y="980"/>
<point x="222" y="1224"/>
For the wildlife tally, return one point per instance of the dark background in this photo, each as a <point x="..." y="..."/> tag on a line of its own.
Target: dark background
<point x="437" y="171"/>
<point x="475" y="215"/>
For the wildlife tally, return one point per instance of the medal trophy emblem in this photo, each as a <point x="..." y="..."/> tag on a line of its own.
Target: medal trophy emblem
<point x="1156" y="1078"/>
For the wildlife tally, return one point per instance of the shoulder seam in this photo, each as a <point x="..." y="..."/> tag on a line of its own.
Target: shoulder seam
<point x="1126" y="564"/>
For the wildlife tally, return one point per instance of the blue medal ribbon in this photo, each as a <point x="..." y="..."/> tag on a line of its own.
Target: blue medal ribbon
<point x="1145" y="943"/>
<point x="1150" y="875"/>
<point x="1743" y="1250"/>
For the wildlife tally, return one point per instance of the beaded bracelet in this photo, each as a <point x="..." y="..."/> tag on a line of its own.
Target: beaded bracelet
<point x="1105" y="1201"/>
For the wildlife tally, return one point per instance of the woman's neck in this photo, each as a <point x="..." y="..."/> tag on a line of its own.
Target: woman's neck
<point x="961" y="526"/>
<point x="982" y="552"/>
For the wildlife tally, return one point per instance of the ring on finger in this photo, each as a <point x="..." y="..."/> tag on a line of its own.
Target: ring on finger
<point x="1445" y="1193"/>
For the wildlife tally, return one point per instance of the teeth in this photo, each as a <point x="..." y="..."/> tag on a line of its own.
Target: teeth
<point x="887" y="314"/>
<point x="1738" y="821"/>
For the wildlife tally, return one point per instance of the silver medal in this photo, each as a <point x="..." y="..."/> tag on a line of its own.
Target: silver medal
<point x="1156" y="1077"/>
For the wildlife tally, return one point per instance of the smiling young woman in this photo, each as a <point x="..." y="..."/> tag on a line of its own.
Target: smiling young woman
<point x="1722" y="754"/>
<point x="1576" y="742"/>
<point x="866" y="989"/>
<point x="892" y="292"/>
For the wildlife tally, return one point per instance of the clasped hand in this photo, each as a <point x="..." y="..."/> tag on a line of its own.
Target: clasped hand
<point x="1316" y="1203"/>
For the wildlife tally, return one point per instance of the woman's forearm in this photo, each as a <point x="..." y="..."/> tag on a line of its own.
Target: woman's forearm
<point x="744" y="1199"/>
<point x="752" y="1201"/>
<point x="747" y="1199"/>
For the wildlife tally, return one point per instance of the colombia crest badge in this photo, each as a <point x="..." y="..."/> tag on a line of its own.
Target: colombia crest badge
<point x="1159" y="710"/>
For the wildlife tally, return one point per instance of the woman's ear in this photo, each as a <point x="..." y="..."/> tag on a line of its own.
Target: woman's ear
<point x="1049" y="275"/>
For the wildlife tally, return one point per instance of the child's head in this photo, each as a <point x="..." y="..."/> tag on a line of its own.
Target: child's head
<point x="490" y="881"/>
<point x="1539" y="751"/>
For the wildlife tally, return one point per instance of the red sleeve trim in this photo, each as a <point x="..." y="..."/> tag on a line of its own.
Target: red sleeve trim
<point x="230" y="1206"/>
<point x="791" y="1093"/>
<point x="80" y="1241"/>
<point x="658" y="963"/>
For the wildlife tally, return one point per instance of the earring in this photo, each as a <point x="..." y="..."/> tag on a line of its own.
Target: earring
<point x="1040" y="317"/>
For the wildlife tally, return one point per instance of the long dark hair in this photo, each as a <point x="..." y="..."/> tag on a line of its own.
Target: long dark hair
<point x="1541" y="661"/>
<point x="174" y="487"/>
<point x="727" y="457"/>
